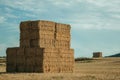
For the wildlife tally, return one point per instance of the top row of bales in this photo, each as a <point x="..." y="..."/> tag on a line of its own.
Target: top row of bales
<point x="44" y="34"/>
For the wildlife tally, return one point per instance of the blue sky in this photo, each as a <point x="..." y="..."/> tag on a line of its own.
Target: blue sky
<point x="95" y="23"/>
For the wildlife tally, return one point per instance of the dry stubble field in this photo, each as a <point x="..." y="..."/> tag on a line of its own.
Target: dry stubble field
<point x="101" y="69"/>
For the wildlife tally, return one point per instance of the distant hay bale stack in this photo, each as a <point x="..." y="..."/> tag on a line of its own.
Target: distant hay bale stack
<point x="97" y="54"/>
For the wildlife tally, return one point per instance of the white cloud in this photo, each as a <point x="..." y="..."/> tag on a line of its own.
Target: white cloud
<point x="2" y="19"/>
<point x="27" y="5"/>
<point x="8" y="15"/>
<point x="62" y="3"/>
<point x="117" y="16"/>
<point x="96" y="26"/>
<point x="104" y="3"/>
<point x="81" y="14"/>
<point x="85" y="14"/>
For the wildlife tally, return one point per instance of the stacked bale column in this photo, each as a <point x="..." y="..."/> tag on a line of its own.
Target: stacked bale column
<point x="37" y="34"/>
<point x="44" y="47"/>
<point x="97" y="54"/>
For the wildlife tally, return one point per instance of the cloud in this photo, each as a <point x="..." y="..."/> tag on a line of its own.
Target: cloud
<point x="89" y="15"/>
<point x="27" y="5"/>
<point x="2" y="19"/>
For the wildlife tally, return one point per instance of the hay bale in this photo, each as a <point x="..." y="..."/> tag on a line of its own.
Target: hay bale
<point x="24" y="35"/>
<point x="30" y="52"/>
<point x="64" y="37"/>
<point x="44" y="25"/>
<point x="62" y="44"/>
<point x="44" y="47"/>
<point x="41" y="34"/>
<point x="39" y="61"/>
<point x="30" y="61"/>
<point x="38" y="69"/>
<point x="11" y="59"/>
<point x="25" y="25"/>
<point x="41" y="43"/>
<point x="62" y="27"/>
<point x="20" y="52"/>
<point x="97" y="54"/>
<point x="20" y="68"/>
<point x="10" y="68"/>
<point x="29" y="68"/>
<point x="39" y="52"/>
<point x="25" y="43"/>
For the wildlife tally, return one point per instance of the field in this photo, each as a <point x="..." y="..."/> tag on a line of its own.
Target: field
<point x="98" y="69"/>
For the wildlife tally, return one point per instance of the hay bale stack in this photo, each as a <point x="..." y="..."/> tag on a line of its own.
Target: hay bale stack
<point x="37" y="34"/>
<point x="97" y="54"/>
<point x="44" y="47"/>
<point x="62" y="36"/>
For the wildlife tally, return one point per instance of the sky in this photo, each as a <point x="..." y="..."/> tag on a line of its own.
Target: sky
<point x="95" y="24"/>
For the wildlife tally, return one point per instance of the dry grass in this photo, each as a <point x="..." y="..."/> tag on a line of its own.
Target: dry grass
<point x="100" y="69"/>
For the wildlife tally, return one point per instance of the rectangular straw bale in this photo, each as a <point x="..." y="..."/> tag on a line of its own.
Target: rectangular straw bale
<point x="47" y="25"/>
<point x="11" y="55"/>
<point x="34" y="25"/>
<point x="47" y="36"/>
<point x="29" y="68"/>
<point x="30" y="52"/>
<point x="48" y="32"/>
<point x="51" y="59"/>
<point x="39" y="61"/>
<point x="62" y="44"/>
<point x="44" y="25"/>
<point x="35" y="43"/>
<point x="20" y="68"/>
<point x="42" y="43"/>
<point x="65" y="32"/>
<point x="62" y="27"/>
<point x="34" y="34"/>
<point x="20" y="60"/>
<point x="39" y="52"/>
<point x="25" y="35"/>
<point x="63" y="35"/>
<point x="25" y="25"/>
<point x="51" y="54"/>
<point x="11" y="68"/>
<point x="66" y="55"/>
<point x="97" y="54"/>
<point x="30" y="60"/>
<point x="67" y="51"/>
<point x="54" y="50"/>
<point x="63" y="38"/>
<point x="39" y="24"/>
<point x="21" y="52"/>
<point x="11" y="60"/>
<point x="24" y="43"/>
<point x="38" y="35"/>
<point x="38" y="69"/>
<point x="11" y="52"/>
